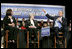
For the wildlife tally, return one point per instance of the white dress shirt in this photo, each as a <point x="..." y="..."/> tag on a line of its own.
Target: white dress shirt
<point x="11" y="20"/>
<point x="56" y="22"/>
<point x="32" y="22"/>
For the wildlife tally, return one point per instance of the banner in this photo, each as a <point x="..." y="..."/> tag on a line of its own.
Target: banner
<point x="23" y="10"/>
<point x="45" y="31"/>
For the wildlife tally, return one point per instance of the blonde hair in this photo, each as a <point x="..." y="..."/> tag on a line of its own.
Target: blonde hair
<point x="31" y="14"/>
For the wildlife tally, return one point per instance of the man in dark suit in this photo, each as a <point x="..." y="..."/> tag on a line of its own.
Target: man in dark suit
<point x="59" y="23"/>
<point x="31" y="25"/>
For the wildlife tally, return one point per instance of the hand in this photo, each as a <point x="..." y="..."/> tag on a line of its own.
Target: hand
<point x="69" y="29"/>
<point x="59" y="20"/>
<point x="13" y="41"/>
<point x="13" y="25"/>
<point x="10" y="24"/>
<point x="9" y="41"/>
<point x="44" y="10"/>
<point x="32" y="27"/>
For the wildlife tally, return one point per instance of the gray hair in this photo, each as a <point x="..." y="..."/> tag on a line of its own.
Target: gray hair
<point x="31" y="14"/>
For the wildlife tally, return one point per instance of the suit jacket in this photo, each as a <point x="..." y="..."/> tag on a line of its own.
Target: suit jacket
<point x="64" y="21"/>
<point x="7" y="21"/>
<point x="28" y="23"/>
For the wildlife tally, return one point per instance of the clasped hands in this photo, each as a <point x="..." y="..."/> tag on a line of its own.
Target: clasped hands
<point x="13" y="25"/>
<point x="32" y="26"/>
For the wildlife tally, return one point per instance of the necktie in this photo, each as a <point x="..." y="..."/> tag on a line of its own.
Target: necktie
<point x="59" y="24"/>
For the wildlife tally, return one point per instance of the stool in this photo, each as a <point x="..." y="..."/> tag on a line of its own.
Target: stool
<point x="6" y="38"/>
<point x="31" y="42"/>
<point x="60" y="33"/>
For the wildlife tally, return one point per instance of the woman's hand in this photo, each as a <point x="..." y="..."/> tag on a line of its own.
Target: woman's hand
<point x="32" y="26"/>
<point x="13" y="25"/>
<point x="10" y="24"/>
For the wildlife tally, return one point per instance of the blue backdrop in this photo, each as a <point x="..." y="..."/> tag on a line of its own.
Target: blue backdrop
<point x="21" y="11"/>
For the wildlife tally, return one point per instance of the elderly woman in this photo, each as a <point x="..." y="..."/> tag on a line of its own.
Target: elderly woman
<point x="31" y="25"/>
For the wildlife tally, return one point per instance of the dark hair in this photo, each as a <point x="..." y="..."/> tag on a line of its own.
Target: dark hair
<point x="8" y="12"/>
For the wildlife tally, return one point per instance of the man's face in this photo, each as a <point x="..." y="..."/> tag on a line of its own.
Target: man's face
<point x="38" y="24"/>
<point x="51" y="23"/>
<point x="45" y="25"/>
<point x="70" y="24"/>
<point x="41" y="21"/>
<point x="22" y="19"/>
<point x="60" y="13"/>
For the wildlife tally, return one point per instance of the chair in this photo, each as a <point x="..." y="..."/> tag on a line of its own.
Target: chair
<point x="61" y="37"/>
<point x="6" y="39"/>
<point x="17" y="40"/>
<point x="31" y="42"/>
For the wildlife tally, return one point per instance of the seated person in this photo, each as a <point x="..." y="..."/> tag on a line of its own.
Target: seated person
<point x="10" y="24"/>
<point x="23" y="24"/>
<point x="22" y="33"/>
<point x="31" y="25"/>
<point x="18" y="25"/>
<point x="41" y="24"/>
<point x="39" y="27"/>
<point x="46" y="41"/>
<point x="45" y="25"/>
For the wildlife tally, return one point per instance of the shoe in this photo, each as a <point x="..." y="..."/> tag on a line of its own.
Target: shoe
<point x="2" y="46"/>
<point x="13" y="41"/>
<point x="32" y="41"/>
<point x="32" y="35"/>
<point x="60" y="42"/>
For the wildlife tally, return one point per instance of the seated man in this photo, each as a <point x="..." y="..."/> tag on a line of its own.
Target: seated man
<point x="31" y="25"/>
<point x="59" y="23"/>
